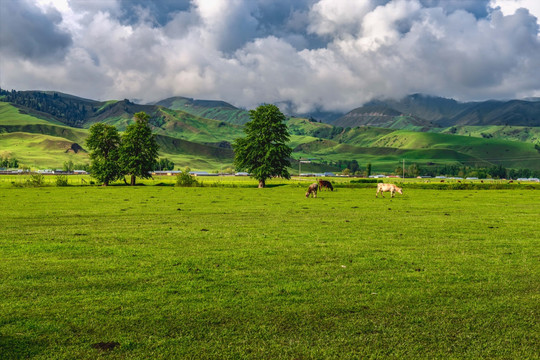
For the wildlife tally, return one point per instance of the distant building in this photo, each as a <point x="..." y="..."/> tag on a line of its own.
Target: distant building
<point x="202" y="173"/>
<point x="166" y="172"/>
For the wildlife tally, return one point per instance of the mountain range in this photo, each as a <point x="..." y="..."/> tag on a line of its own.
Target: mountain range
<point x="428" y="112"/>
<point x="46" y="128"/>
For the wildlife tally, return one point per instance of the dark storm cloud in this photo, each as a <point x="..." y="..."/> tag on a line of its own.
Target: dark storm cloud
<point x="30" y="33"/>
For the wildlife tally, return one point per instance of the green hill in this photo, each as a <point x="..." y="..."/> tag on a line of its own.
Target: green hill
<point x="39" y="150"/>
<point x="210" y="109"/>
<point x="43" y="143"/>
<point x="512" y="133"/>
<point x="440" y="112"/>
<point x="492" y="151"/>
<point x="380" y="116"/>
<point x="44" y="129"/>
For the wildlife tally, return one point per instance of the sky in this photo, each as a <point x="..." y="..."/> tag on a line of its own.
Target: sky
<point x="305" y="55"/>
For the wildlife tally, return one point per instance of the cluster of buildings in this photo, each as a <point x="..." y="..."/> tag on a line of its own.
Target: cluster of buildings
<point x="194" y="173"/>
<point x="43" y="172"/>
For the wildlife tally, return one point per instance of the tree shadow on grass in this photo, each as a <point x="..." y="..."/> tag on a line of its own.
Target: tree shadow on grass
<point x="274" y="185"/>
<point x="19" y="347"/>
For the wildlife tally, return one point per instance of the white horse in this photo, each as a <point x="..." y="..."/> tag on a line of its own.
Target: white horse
<point x="388" y="187"/>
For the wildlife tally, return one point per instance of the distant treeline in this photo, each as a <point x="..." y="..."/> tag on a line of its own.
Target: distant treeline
<point x="321" y="132"/>
<point x="352" y="167"/>
<point x="495" y="171"/>
<point x="7" y="162"/>
<point x="164" y="164"/>
<point x="71" y="113"/>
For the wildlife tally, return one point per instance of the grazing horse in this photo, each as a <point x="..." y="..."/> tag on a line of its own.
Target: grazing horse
<point x="326" y="185"/>
<point x="312" y="190"/>
<point x="388" y="187"/>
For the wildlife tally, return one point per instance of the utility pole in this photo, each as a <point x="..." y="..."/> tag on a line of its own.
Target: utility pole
<point x="403" y="168"/>
<point x="300" y="161"/>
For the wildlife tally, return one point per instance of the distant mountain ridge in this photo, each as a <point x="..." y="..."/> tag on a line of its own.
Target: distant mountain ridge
<point x="431" y="111"/>
<point x="210" y="109"/>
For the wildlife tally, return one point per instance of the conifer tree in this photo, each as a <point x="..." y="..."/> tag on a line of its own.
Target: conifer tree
<point x="264" y="152"/>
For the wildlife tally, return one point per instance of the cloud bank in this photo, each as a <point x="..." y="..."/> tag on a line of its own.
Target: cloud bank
<point x="329" y="55"/>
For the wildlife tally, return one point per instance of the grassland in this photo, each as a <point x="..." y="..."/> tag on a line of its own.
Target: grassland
<point x="236" y="272"/>
<point x="512" y="133"/>
<point x="40" y="150"/>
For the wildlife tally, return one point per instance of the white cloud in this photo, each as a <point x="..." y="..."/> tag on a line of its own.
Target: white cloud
<point x="227" y="24"/>
<point x="380" y="26"/>
<point x="331" y="17"/>
<point x="229" y="51"/>
<point x="509" y="7"/>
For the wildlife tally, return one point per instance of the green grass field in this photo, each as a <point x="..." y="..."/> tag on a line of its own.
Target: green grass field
<point x="245" y="273"/>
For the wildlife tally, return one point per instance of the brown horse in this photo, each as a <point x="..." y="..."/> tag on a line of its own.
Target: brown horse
<point x="326" y="185"/>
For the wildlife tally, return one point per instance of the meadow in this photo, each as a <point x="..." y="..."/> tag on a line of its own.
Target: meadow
<point x="162" y="272"/>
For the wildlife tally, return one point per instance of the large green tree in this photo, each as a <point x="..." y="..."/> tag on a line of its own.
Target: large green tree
<point x="104" y="145"/>
<point x="139" y="149"/>
<point x="264" y="152"/>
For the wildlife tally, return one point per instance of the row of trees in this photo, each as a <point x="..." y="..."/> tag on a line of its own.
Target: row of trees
<point x="70" y="166"/>
<point x="113" y="156"/>
<point x="263" y="152"/>
<point x="414" y="170"/>
<point x="7" y="162"/>
<point x="356" y="170"/>
<point x="495" y="171"/>
<point x="164" y="164"/>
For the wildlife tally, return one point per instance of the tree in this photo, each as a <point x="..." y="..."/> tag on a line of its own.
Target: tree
<point x="164" y="164"/>
<point x="414" y="170"/>
<point x="354" y="166"/>
<point x="184" y="178"/>
<point x="104" y="146"/>
<point x="68" y="166"/>
<point x="368" y="169"/>
<point x="264" y="152"/>
<point x="497" y="171"/>
<point x="139" y="150"/>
